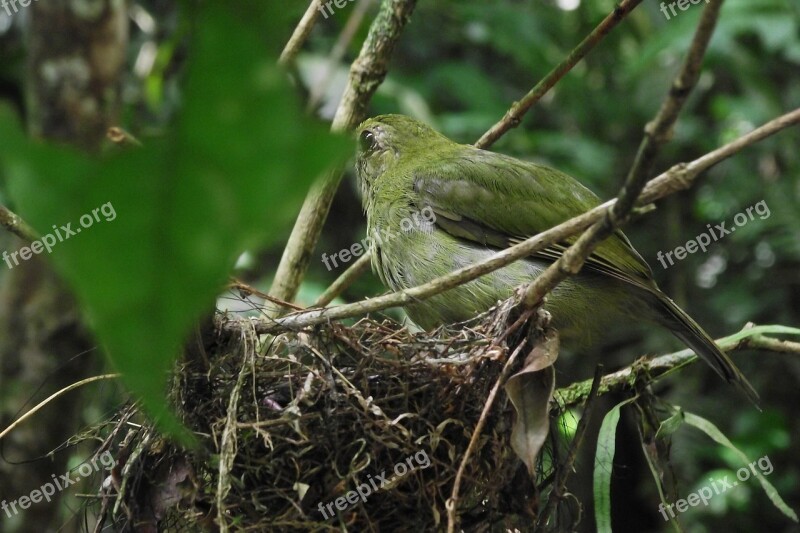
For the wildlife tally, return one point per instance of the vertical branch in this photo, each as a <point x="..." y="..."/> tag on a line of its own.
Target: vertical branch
<point x="366" y="74"/>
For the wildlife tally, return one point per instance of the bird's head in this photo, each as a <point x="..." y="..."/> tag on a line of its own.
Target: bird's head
<point x="385" y="141"/>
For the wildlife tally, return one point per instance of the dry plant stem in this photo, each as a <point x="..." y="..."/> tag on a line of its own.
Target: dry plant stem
<point x="657" y="132"/>
<point x="366" y="74"/>
<point x="14" y="224"/>
<point x="677" y="178"/>
<point x="227" y="451"/>
<point x="565" y="469"/>
<point x="247" y="289"/>
<point x="132" y="461"/>
<point x="345" y="280"/>
<point x="52" y="397"/>
<point x="338" y="51"/>
<point x="300" y="33"/>
<point x="514" y="115"/>
<point x="452" y="502"/>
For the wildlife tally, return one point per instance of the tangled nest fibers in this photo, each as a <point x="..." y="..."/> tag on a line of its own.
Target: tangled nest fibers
<point x="327" y="410"/>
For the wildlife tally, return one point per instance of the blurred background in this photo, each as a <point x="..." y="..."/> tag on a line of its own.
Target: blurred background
<point x="459" y="65"/>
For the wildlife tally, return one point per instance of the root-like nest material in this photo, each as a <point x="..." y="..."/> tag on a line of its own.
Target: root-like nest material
<point x="289" y="427"/>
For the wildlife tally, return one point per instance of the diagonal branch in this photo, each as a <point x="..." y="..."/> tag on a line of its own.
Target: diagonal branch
<point x="657" y="133"/>
<point x="14" y="224"/>
<point x="301" y="33"/>
<point x="345" y="280"/>
<point x="513" y="116"/>
<point x="337" y="52"/>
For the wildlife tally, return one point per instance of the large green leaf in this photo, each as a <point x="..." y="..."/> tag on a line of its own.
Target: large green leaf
<point x="229" y="177"/>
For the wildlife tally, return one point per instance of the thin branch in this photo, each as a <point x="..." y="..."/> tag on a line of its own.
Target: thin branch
<point x="677" y="178"/>
<point x="52" y="397"/>
<point x="452" y="502"/>
<point x="565" y="469"/>
<point x="301" y="33"/>
<point x="244" y="288"/>
<point x="657" y="133"/>
<point x="345" y="280"/>
<point x="773" y="345"/>
<point x="366" y="74"/>
<point x="14" y="224"/>
<point x="653" y="369"/>
<point x="338" y="51"/>
<point x="513" y="116"/>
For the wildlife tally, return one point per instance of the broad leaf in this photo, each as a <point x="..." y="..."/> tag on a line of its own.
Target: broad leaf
<point x="230" y="176"/>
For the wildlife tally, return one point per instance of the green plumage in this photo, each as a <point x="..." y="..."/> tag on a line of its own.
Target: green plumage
<point x="477" y="202"/>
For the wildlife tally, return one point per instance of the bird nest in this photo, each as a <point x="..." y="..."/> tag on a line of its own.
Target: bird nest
<point x="335" y="427"/>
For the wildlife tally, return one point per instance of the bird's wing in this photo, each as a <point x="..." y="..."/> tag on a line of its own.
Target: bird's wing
<point x="465" y="190"/>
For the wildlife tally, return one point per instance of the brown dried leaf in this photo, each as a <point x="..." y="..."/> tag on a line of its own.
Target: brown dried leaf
<point x="531" y="390"/>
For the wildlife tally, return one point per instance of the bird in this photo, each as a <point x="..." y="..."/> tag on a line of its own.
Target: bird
<point x="466" y="204"/>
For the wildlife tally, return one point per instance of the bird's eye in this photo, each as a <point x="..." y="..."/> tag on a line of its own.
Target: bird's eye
<point x="367" y="141"/>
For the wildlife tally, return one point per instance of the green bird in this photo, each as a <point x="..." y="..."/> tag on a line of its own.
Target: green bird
<point x="434" y="206"/>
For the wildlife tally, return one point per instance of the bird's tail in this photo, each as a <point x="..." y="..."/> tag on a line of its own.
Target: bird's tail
<point x="687" y="330"/>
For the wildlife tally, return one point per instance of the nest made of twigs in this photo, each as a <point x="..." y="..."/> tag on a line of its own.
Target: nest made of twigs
<point x="287" y="427"/>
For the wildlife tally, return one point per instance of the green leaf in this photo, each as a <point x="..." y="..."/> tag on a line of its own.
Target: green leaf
<point x="713" y="431"/>
<point x="229" y="177"/>
<point x="671" y="424"/>
<point x="656" y="448"/>
<point x="604" y="467"/>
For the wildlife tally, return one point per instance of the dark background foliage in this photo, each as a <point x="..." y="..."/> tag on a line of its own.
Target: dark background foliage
<point x="459" y="66"/>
